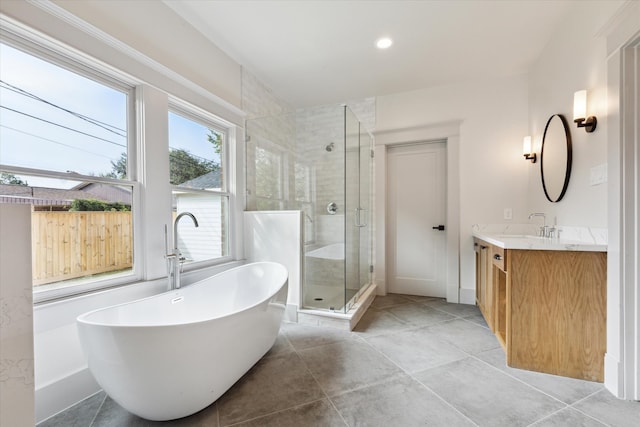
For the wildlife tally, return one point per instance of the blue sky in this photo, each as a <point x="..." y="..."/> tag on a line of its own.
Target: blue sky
<point x="38" y="135"/>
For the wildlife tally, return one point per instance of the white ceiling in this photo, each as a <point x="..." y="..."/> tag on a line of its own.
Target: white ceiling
<point x="321" y="52"/>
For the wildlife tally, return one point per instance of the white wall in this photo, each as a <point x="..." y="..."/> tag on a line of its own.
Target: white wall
<point x="276" y="236"/>
<point x="152" y="28"/>
<point x="575" y="59"/>
<point x="492" y="174"/>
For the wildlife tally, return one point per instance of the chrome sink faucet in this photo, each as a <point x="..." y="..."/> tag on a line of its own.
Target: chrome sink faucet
<point x="545" y="230"/>
<point x="175" y="259"/>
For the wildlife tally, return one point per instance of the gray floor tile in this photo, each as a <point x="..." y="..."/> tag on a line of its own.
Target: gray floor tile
<point x="488" y="396"/>
<point x="568" y="418"/>
<point x="467" y="336"/>
<point x="303" y="336"/>
<point x="399" y="402"/>
<point x="568" y="390"/>
<point x="376" y="322"/>
<point x="347" y="365"/>
<point x="111" y="414"/>
<point x="478" y="319"/>
<point x="281" y="346"/>
<point x="419" y="314"/>
<point x="273" y="384"/>
<point x="319" y="413"/>
<point x="416" y="349"/>
<point x="418" y="298"/>
<point x="460" y="310"/>
<point x="79" y="415"/>
<point x="389" y="300"/>
<point x="604" y="407"/>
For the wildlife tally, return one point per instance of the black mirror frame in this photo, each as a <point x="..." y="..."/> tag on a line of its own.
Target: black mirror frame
<point x="567" y="174"/>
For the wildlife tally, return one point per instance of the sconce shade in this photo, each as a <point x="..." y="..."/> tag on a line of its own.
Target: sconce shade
<point x="526" y="145"/>
<point x="580" y="112"/>
<point x="527" y="150"/>
<point x="580" y="105"/>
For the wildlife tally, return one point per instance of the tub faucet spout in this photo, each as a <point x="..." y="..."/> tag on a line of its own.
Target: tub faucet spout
<point x="175" y="259"/>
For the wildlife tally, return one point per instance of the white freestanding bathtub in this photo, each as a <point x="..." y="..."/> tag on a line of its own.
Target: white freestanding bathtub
<point x="173" y="354"/>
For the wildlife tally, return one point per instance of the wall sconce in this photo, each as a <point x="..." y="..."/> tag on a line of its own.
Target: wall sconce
<point x="527" y="150"/>
<point x="580" y="112"/>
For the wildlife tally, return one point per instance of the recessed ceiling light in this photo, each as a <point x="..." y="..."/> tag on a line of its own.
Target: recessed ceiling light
<point x="384" y="43"/>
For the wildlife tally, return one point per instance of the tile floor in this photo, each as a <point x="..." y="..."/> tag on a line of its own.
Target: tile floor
<point x="411" y="361"/>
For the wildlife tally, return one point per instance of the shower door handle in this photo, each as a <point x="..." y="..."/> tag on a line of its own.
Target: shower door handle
<point x="359" y="218"/>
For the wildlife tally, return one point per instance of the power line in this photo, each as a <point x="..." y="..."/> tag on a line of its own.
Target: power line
<point x="64" y="127"/>
<point x="191" y="154"/>
<point x="106" y="126"/>
<point x="55" y="142"/>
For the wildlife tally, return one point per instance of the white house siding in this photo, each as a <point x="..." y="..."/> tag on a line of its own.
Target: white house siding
<point x="206" y="241"/>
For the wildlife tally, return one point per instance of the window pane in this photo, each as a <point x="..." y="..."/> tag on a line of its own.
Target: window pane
<point x="209" y="240"/>
<point x="195" y="153"/>
<point x="57" y="120"/>
<point x="196" y="160"/>
<point x="80" y="230"/>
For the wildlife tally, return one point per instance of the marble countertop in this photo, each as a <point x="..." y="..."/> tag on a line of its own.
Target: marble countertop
<point x="524" y="236"/>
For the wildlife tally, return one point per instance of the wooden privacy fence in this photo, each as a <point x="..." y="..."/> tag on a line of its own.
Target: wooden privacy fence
<point x="68" y="245"/>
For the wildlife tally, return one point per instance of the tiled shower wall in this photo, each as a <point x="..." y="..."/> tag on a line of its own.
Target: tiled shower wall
<point x="299" y="138"/>
<point x="309" y="176"/>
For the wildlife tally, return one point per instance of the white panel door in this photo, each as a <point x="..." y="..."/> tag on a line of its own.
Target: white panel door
<point x="416" y="194"/>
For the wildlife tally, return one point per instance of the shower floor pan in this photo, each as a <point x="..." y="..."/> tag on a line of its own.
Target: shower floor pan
<point x="326" y="297"/>
<point x="346" y="321"/>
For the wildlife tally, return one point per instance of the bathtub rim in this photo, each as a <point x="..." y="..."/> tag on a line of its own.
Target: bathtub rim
<point x="81" y="319"/>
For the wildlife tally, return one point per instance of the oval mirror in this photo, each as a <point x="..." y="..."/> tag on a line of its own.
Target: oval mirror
<point x="555" y="158"/>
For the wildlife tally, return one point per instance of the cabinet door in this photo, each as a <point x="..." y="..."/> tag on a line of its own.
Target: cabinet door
<point x="479" y="271"/>
<point x="484" y="295"/>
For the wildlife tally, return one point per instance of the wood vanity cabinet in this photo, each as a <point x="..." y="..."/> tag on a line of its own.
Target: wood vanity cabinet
<point x="547" y="309"/>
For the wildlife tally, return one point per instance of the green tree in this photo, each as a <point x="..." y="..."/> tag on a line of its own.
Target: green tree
<point x="216" y="139"/>
<point x="9" y="178"/>
<point x="118" y="168"/>
<point x="183" y="166"/>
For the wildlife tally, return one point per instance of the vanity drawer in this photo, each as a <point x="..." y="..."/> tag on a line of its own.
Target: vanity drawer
<point x="498" y="256"/>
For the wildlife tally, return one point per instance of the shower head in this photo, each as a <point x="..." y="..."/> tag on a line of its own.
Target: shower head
<point x="329" y="147"/>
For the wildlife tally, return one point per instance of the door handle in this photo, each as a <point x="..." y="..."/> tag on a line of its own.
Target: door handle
<point x="438" y="227"/>
<point x="358" y="219"/>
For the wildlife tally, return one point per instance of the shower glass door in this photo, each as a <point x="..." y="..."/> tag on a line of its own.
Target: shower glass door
<point x="352" y="205"/>
<point x="357" y="215"/>
<point x="365" y="256"/>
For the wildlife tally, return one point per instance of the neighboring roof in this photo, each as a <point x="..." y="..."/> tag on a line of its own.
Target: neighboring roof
<point x="12" y="193"/>
<point x="209" y="181"/>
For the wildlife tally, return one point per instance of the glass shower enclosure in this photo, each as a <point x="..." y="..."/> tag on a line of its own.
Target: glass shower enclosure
<point x="319" y="160"/>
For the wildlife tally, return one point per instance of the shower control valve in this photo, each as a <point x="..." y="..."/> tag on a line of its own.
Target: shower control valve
<point x="332" y="208"/>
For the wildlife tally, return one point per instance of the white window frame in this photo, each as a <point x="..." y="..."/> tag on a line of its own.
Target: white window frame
<point x="73" y="61"/>
<point x="204" y="118"/>
<point x="148" y="195"/>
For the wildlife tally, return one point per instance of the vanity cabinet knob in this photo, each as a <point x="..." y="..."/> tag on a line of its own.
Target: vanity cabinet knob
<point x="483" y="247"/>
<point x="497" y="257"/>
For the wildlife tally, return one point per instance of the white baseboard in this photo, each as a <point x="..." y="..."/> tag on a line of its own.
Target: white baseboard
<point x="62" y="394"/>
<point x="291" y="313"/>
<point x="613" y="376"/>
<point x="453" y="293"/>
<point x="467" y="296"/>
